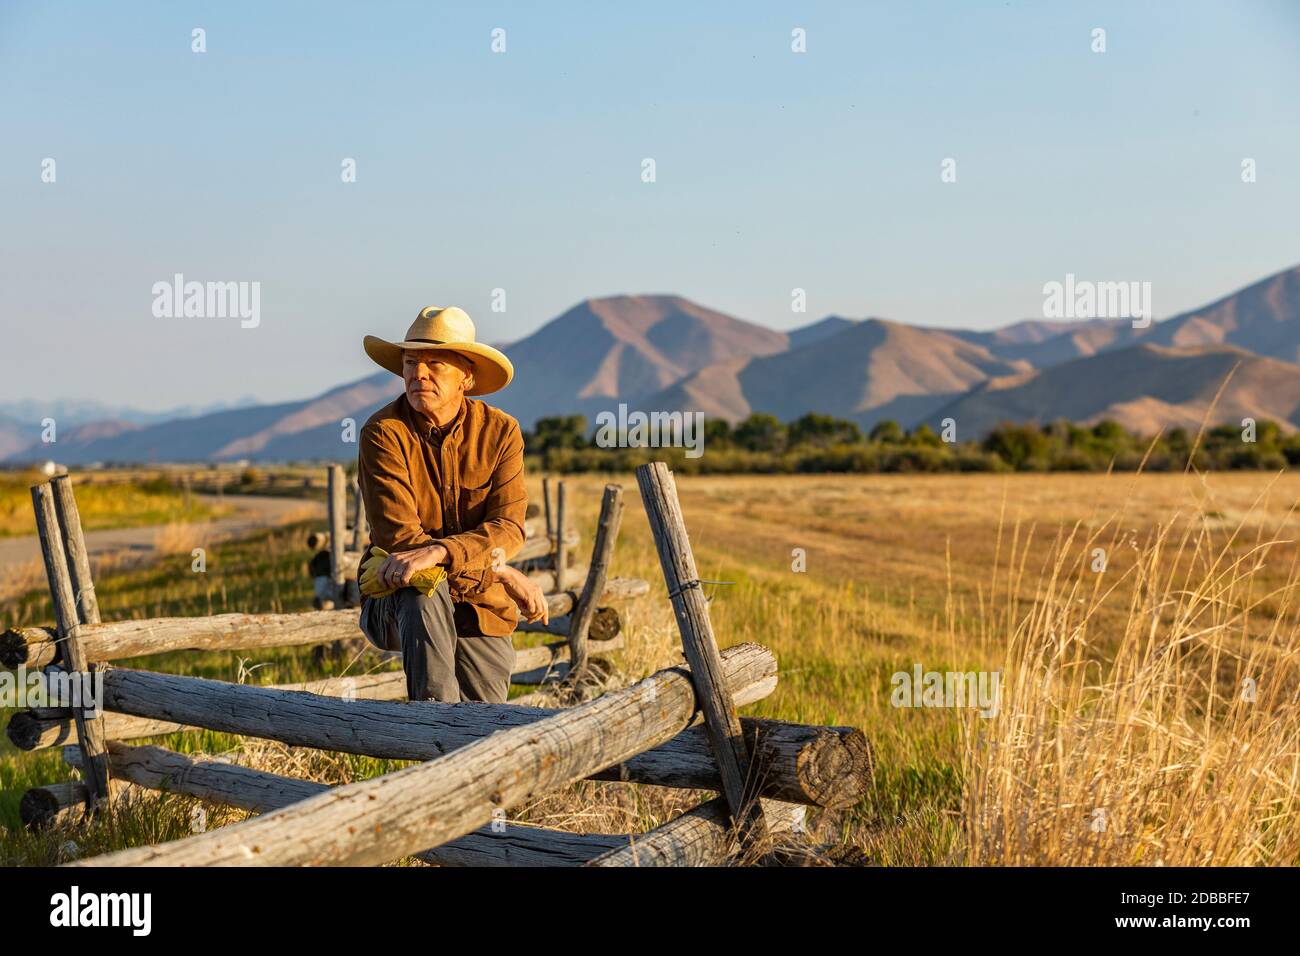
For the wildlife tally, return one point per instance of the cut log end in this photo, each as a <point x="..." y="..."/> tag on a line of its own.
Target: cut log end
<point x="24" y="730"/>
<point x="13" y="648"/>
<point x="40" y="806"/>
<point x="605" y="624"/>
<point x="836" y="770"/>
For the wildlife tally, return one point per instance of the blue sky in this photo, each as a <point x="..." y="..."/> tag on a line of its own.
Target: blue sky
<point x="522" y="170"/>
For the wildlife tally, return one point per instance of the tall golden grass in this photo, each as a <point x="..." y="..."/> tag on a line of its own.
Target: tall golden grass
<point x="1172" y="740"/>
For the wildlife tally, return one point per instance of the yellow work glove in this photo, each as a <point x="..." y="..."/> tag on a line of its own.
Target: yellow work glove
<point x="425" y="580"/>
<point x="366" y="580"/>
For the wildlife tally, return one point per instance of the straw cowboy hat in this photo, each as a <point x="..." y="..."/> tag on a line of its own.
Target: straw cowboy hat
<point x="446" y="330"/>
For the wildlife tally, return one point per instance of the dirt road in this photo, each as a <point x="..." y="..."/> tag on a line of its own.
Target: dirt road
<point x="20" y="558"/>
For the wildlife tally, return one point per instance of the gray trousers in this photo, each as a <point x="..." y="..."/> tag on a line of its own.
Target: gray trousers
<point x="439" y="664"/>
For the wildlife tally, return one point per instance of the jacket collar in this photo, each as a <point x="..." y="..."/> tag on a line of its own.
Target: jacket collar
<point x="426" y="429"/>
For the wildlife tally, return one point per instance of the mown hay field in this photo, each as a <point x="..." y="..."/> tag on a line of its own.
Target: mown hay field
<point x="1142" y="629"/>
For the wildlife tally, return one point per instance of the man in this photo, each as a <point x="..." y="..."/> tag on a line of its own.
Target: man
<point x="442" y="477"/>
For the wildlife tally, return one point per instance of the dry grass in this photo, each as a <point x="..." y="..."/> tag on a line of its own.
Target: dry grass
<point x="22" y="577"/>
<point x="1178" y="746"/>
<point x="128" y="504"/>
<point x="1121" y="690"/>
<point x="176" y="537"/>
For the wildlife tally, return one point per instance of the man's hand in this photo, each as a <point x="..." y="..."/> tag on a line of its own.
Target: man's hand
<point x="526" y="593"/>
<point x="398" y="568"/>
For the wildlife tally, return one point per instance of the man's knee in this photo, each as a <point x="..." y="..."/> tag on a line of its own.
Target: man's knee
<point x="422" y="614"/>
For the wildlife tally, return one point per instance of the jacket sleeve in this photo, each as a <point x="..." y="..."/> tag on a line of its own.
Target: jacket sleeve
<point x="503" y="522"/>
<point x="384" y="478"/>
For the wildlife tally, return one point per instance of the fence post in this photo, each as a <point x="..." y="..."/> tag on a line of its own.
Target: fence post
<point x="359" y="524"/>
<point x="74" y="549"/>
<point x="561" y="549"/>
<point x="338" y="529"/>
<point x="659" y="494"/>
<point x="602" y="551"/>
<point x="69" y="605"/>
<point x="546" y="508"/>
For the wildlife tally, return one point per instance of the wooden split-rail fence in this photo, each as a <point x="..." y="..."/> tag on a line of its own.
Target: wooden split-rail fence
<point x="678" y="728"/>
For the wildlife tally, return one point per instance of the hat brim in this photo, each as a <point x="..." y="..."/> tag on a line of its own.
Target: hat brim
<point x="492" y="370"/>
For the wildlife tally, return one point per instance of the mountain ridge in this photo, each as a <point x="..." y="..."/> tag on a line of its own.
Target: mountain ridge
<point x="664" y="351"/>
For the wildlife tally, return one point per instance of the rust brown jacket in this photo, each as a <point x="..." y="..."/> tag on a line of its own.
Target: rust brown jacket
<point x="464" y="491"/>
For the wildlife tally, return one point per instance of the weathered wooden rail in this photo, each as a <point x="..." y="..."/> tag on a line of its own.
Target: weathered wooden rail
<point x="677" y="728"/>
<point x="34" y="647"/>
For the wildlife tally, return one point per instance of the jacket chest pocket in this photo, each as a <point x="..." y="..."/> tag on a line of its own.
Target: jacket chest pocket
<point x="473" y="501"/>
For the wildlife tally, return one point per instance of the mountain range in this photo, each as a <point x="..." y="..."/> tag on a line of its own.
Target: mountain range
<point x="664" y="352"/>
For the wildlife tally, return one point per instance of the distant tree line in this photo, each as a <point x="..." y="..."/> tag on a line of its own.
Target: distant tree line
<point x="814" y="443"/>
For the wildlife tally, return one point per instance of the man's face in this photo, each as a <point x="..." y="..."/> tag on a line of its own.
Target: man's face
<point x="434" y="380"/>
